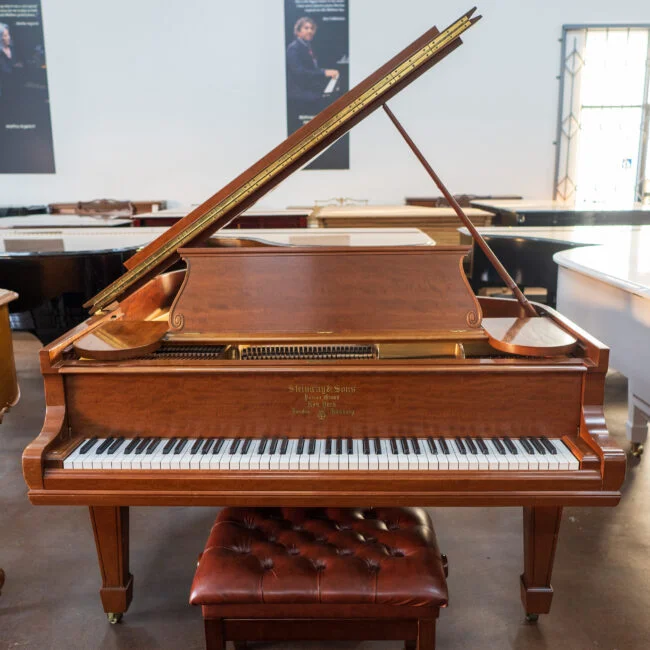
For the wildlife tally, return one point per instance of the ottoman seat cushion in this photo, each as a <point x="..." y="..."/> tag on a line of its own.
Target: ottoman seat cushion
<point x="383" y="556"/>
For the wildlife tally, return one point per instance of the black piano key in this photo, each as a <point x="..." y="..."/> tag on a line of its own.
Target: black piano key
<point x="339" y="446"/>
<point x="169" y="445"/>
<point x="483" y="448"/>
<point x="377" y="446"/>
<point x="328" y="446"/>
<point x="416" y="446"/>
<point x="349" y="446"/>
<point x="142" y="445"/>
<point x="444" y="446"/>
<point x="218" y="444"/>
<point x="393" y="446"/>
<point x="274" y="445"/>
<point x="527" y="446"/>
<point x="510" y="446"/>
<point x="460" y="446"/>
<point x="132" y="445"/>
<point x="405" y="446"/>
<point x="246" y="446"/>
<point x="432" y="445"/>
<point x="538" y="446"/>
<point x="365" y="446"/>
<point x="284" y="445"/>
<point x="312" y="446"/>
<point x="499" y="445"/>
<point x="88" y="445"/>
<point x="472" y="447"/>
<point x="262" y="447"/>
<point x="180" y="445"/>
<point x="117" y="443"/>
<point x="301" y="445"/>
<point x="104" y="446"/>
<point x="547" y="443"/>
<point x="196" y="446"/>
<point x="207" y="445"/>
<point x="234" y="445"/>
<point x="152" y="446"/>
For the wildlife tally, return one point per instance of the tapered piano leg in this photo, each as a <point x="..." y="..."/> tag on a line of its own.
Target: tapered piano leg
<point x="541" y="528"/>
<point x="111" y="528"/>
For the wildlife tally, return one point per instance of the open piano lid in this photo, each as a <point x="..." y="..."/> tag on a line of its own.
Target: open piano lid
<point x="296" y="151"/>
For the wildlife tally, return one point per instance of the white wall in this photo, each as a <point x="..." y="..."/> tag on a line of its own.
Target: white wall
<point x="168" y="99"/>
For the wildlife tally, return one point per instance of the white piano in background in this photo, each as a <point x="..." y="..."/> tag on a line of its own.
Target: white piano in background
<point x="606" y="290"/>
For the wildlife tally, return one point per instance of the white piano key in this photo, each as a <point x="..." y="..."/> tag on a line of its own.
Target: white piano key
<point x="155" y="458"/>
<point x="294" y="460"/>
<point x="373" y="459"/>
<point x="285" y="459"/>
<point x="69" y="460"/>
<point x="95" y="460"/>
<point x="382" y="459"/>
<point x="497" y="461"/>
<point x="215" y="458"/>
<point x="562" y="448"/>
<point x="353" y="460"/>
<point x="343" y="458"/>
<point x="304" y="459"/>
<point x="525" y="460"/>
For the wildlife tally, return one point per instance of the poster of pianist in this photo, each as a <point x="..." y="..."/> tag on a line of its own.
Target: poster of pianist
<point x="25" y="125"/>
<point x="316" y="39"/>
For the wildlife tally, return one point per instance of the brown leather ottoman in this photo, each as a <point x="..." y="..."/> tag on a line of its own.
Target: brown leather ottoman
<point x="321" y="573"/>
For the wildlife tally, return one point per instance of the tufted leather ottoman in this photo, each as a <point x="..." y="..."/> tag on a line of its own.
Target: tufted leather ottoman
<point x="321" y="573"/>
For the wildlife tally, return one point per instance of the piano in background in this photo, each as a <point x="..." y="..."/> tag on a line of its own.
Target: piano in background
<point x="250" y="219"/>
<point x="56" y="270"/>
<point x="464" y="200"/>
<point x="527" y="252"/>
<point x="19" y="211"/>
<point x="441" y="224"/>
<point x="103" y="206"/>
<point x="319" y="376"/>
<point x="606" y="289"/>
<point x="556" y="213"/>
<point x="9" y="391"/>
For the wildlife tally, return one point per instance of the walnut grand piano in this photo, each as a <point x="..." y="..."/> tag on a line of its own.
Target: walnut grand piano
<point x="313" y="376"/>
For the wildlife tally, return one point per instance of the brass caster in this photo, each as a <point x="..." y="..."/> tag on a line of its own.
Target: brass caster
<point x="114" y="618"/>
<point x="532" y="618"/>
<point x="637" y="449"/>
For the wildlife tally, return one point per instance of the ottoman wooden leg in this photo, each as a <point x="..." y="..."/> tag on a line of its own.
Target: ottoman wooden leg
<point x="214" y="634"/>
<point x="426" y="634"/>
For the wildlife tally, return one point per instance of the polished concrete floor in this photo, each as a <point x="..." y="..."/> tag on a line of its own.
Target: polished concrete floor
<point x="50" y="599"/>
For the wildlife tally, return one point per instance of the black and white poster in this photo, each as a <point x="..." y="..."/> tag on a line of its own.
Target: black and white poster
<point x="317" y="63"/>
<point x="25" y="124"/>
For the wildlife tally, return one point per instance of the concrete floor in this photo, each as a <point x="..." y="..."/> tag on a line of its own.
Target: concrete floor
<point x="51" y="601"/>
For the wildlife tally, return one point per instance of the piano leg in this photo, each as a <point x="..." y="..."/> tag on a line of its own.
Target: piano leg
<point x="111" y="528"/>
<point x="638" y="415"/>
<point x="541" y="528"/>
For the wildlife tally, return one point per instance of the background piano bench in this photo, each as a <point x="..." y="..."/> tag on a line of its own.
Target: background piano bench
<point x="319" y="574"/>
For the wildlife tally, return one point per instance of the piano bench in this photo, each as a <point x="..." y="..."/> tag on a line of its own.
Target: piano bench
<point x="270" y="574"/>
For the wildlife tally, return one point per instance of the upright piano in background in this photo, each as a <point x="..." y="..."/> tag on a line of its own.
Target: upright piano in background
<point x="319" y="376"/>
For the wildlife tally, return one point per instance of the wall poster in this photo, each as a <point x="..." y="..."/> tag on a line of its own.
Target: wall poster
<point x="317" y="62"/>
<point x="25" y="124"/>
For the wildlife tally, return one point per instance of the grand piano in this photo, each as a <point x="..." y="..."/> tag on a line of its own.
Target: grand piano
<point x="319" y="376"/>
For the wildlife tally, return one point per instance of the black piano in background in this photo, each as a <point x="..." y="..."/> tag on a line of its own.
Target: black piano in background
<point x="555" y="213"/>
<point x="55" y="270"/>
<point x="527" y="253"/>
<point x="22" y="210"/>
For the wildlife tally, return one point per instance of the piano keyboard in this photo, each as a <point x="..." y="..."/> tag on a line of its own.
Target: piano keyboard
<point x="372" y="454"/>
<point x="331" y="85"/>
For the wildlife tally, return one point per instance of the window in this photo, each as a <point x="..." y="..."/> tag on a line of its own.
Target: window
<point x="603" y="118"/>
